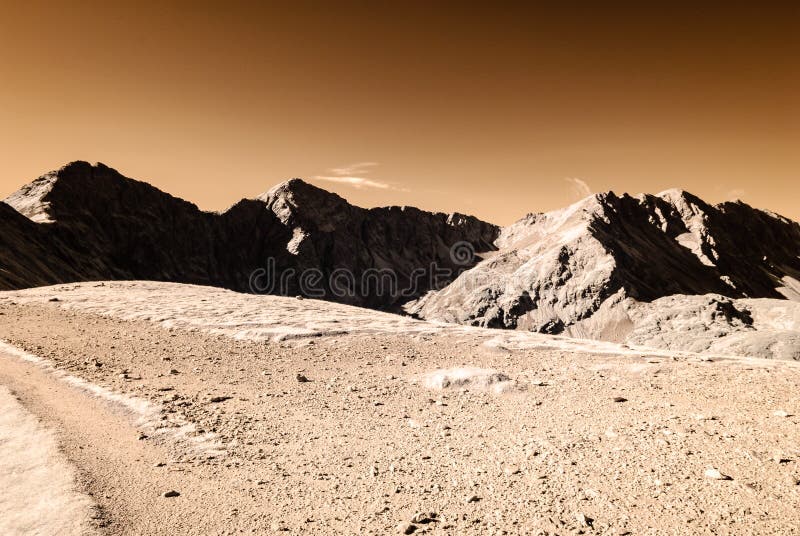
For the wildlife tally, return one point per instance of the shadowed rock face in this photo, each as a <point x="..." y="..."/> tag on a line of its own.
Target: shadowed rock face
<point x="555" y="271"/>
<point x="584" y="270"/>
<point x="89" y="223"/>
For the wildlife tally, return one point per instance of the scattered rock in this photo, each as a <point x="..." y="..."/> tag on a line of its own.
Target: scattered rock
<point x="423" y="518"/>
<point x="714" y="474"/>
<point x="301" y="378"/>
<point x="54" y="300"/>
<point x="473" y="499"/>
<point x="216" y="399"/>
<point x="583" y="520"/>
<point x="406" y="528"/>
<point x="619" y="399"/>
<point x="171" y="493"/>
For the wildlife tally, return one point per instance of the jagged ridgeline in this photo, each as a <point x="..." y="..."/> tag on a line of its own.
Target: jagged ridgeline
<point x="584" y="270"/>
<point x="88" y="222"/>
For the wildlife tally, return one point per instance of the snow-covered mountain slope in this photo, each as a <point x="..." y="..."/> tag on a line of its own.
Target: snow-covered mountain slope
<point x="553" y="272"/>
<point x="681" y="326"/>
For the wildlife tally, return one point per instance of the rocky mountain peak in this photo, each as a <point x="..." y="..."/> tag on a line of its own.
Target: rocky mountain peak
<point x="554" y="271"/>
<point x="296" y="202"/>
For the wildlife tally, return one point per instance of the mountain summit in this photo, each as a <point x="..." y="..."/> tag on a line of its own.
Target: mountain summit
<point x="607" y="267"/>
<point x="88" y="222"/>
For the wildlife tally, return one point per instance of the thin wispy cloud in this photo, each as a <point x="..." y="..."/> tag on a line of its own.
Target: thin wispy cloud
<point x="735" y="195"/>
<point x="578" y="187"/>
<point x="355" y="175"/>
<point x="360" y="168"/>
<point x="355" y="182"/>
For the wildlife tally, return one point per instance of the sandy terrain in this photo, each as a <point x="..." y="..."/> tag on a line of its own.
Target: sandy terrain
<point x="209" y="400"/>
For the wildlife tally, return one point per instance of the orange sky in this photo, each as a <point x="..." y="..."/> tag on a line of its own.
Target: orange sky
<point x="492" y="112"/>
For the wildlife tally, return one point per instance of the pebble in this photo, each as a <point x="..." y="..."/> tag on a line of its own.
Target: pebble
<point x="219" y="399"/>
<point x="780" y="413"/>
<point x="406" y="528"/>
<point x="583" y="520"/>
<point x="620" y="399"/>
<point x="171" y="493"/>
<point x="473" y="499"/>
<point x="301" y="378"/>
<point x="716" y="475"/>
<point x="424" y="518"/>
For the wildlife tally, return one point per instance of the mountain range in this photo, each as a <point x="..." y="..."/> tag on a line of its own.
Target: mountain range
<point x="639" y="269"/>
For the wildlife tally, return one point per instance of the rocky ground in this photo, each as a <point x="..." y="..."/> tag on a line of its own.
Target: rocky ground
<point x="355" y="432"/>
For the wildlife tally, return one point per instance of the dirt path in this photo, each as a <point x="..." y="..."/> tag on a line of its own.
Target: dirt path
<point x="119" y="470"/>
<point x="580" y="443"/>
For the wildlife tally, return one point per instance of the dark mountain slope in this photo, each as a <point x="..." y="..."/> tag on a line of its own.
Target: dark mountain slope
<point x="89" y="222"/>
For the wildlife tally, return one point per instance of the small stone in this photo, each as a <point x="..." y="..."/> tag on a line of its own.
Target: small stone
<point x="423" y="518"/>
<point x="406" y="528"/>
<point x="473" y="499"/>
<point x="54" y="300"/>
<point x="583" y="520"/>
<point x="780" y="413"/>
<point x="216" y="399"/>
<point x="714" y="474"/>
<point x="301" y="378"/>
<point x="174" y="371"/>
<point x="171" y="493"/>
<point x="619" y="399"/>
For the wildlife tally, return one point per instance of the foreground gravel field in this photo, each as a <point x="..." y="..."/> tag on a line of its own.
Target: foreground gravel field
<point x="361" y="432"/>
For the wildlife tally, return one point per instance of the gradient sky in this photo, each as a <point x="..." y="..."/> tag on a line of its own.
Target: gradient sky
<point x="494" y="111"/>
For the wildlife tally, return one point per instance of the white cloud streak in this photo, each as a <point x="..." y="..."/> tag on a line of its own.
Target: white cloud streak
<point x="355" y="182"/>
<point x="578" y="187"/>
<point x="353" y="175"/>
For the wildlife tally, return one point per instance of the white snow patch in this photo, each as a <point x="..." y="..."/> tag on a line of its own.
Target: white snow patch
<point x="39" y="494"/>
<point x="293" y="246"/>
<point x="261" y="317"/>
<point x="472" y="378"/>
<point x="28" y="199"/>
<point x="221" y="312"/>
